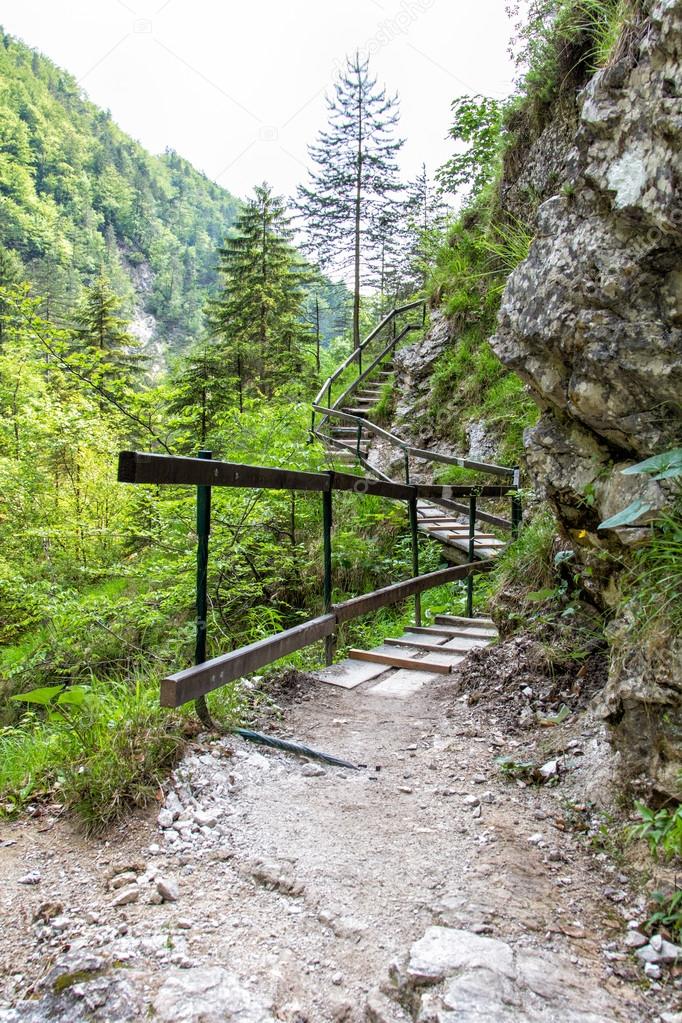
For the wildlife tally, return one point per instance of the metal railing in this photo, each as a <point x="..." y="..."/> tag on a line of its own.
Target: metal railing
<point x="356" y="356"/>
<point x="329" y="412"/>
<point x="204" y="473"/>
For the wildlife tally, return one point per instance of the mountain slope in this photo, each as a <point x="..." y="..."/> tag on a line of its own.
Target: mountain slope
<point x="78" y="194"/>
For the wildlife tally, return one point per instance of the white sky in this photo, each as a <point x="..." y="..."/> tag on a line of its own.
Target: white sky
<point x="238" y="88"/>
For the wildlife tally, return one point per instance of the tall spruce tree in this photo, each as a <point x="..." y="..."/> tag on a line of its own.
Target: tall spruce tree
<point x="257" y="317"/>
<point x="201" y="388"/>
<point x="424" y="216"/>
<point x="108" y="351"/>
<point x="354" y="178"/>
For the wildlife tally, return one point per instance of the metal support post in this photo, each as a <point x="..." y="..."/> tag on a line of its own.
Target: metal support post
<point x="516" y="507"/>
<point x="203" y="530"/>
<point x="472" y="548"/>
<point x="327" y="564"/>
<point x="415" y="556"/>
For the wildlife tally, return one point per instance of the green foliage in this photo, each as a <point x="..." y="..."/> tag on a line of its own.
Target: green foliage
<point x="477" y="123"/>
<point x="561" y="42"/>
<point x="668" y="913"/>
<point x="660" y="829"/>
<point x="79" y="195"/>
<point x="354" y="188"/>
<point x="257" y="319"/>
<point x="98" y="751"/>
<point x="653" y="588"/>
<point x="382" y="412"/>
<point x="529" y="561"/>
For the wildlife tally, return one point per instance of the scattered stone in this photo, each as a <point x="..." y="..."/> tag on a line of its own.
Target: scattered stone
<point x="380" y="1009"/>
<point x="33" y="877"/>
<point x="121" y="880"/>
<point x="406" y="789"/>
<point x="536" y="839"/>
<point x="652" y="971"/>
<point x="270" y="874"/>
<point x="165" y="818"/>
<point x="471" y="800"/>
<point x="615" y="894"/>
<point x="479" y="779"/>
<point x="342" y="1012"/>
<point x="312" y="771"/>
<point x="550" y="769"/>
<point x="183" y="924"/>
<point x="488" y="797"/>
<point x="168" y="889"/>
<point x="223" y="854"/>
<point x="445" y="950"/>
<point x="126" y="896"/>
<point x="205" y="818"/>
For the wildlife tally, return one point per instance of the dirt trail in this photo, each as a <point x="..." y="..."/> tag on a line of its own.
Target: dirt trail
<point x="310" y="885"/>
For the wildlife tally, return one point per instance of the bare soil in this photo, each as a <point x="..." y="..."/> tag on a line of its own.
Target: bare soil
<point x="321" y="882"/>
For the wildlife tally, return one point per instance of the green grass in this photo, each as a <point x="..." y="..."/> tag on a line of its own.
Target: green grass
<point x="528" y="561"/>
<point x="104" y="758"/>
<point x="653" y="587"/>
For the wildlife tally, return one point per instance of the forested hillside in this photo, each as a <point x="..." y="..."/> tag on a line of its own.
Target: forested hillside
<point x="77" y="195"/>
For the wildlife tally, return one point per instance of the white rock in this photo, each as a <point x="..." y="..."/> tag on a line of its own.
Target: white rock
<point x="33" y="877"/>
<point x="168" y="889"/>
<point x="652" y="971"/>
<point x="207" y="995"/>
<point x="165" y="818"/>
<point x="206" y="818"/>
<point x="445" y="950"/>
<point x="635" y="939"/>
<point x="126" y="896"/>
<point x="550" y="769"/>
<point x="312" y="771"/>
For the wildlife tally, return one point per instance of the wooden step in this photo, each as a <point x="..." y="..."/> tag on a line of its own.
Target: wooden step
<point x="431" y="646"/>
<point x="444" y="630"/>
<point x="400" y="662"/>
<point x="459" y="620"/>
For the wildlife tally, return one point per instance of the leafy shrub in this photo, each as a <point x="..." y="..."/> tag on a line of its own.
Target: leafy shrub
<point x="660" y="829"/>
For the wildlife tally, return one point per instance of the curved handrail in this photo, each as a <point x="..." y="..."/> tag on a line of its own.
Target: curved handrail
<point x="353" y="356"/>
<point x="427" y="456"/>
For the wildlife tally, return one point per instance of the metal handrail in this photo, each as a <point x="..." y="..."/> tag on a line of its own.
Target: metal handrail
<point x="427" y="456"/>
<point x="353" y="356"/>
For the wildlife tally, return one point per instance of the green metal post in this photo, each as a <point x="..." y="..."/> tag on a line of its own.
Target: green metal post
<point x="359" y="362"/>
<point x="327" y="562"/>
<point x="203" y="530"/>
<point x="406" y="459"/>
<point x="415" y="556"/>
<point x="359" y="440"/>
<point x="516" y="509"/>
<point x="472" y="548"/>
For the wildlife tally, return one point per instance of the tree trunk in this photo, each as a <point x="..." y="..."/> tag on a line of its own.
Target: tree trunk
<point x="358" y="197"/>
<point x="317" y="333"/>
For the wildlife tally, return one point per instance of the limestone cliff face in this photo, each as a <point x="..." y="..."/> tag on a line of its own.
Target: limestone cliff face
<point x="592" y="321"/>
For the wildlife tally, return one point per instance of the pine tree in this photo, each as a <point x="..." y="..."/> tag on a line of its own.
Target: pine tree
<point x="258" y="315"/>
<point x="201" y="388"/>
<point x="354" y="179"/>
<point x="108" y="350"/>
<point x="424" y="216"/>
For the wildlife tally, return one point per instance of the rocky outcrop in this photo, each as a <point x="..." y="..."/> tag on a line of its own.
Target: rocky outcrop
<point x="592" y="320"/>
